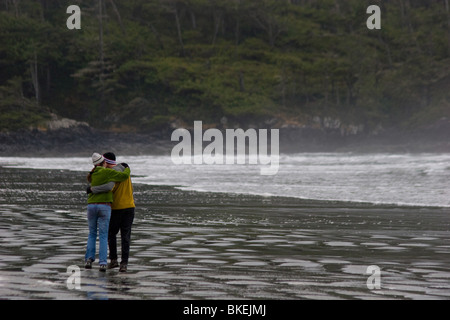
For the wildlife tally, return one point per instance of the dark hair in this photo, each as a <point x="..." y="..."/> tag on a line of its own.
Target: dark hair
<point x="110" y="156"/>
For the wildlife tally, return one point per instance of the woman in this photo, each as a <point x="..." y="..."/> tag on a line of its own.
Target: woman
<point x="99" y="209"/>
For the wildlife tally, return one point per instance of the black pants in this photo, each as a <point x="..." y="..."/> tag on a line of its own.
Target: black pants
<point x="120" y="220"/>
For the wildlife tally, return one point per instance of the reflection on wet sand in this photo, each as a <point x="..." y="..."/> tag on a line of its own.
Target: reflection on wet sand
<point x="188" y="245"/>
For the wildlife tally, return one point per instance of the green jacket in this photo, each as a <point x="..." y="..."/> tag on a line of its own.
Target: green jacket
<point x="104" y="175"/>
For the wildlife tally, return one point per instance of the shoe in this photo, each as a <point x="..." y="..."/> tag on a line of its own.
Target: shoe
<point x="102" y="267"/>
<point x="113" y="264"/>
<point x="123" y="267"/>
<point x="88" y="264"/>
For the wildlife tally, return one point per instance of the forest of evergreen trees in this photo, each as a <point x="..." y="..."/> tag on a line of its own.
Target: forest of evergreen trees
<point x="141" y="64"/>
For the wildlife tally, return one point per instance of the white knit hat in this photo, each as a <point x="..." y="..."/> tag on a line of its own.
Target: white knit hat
<point x="97" y="158"/>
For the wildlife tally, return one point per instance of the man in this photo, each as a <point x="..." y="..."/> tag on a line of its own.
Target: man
<point x="122" y="214"/>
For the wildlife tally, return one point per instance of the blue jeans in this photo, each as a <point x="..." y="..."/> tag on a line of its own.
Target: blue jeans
<point x="98" y="216"/>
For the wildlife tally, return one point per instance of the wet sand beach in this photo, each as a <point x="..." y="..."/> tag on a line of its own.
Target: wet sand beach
<point x="193" y="245"/>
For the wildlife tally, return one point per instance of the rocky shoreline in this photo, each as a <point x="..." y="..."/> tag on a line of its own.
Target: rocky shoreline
<point x="77" y="139"/>
<point x="77" y="142"/>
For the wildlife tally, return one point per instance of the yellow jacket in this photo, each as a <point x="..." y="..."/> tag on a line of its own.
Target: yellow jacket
<point x="122" y="191"/>
<point x="123" y="195"/>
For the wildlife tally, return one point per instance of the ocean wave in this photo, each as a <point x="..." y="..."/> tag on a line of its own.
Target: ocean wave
<point x="385" y="179"/>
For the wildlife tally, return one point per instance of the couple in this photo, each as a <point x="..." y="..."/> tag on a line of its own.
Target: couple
<point x="110" y="209"/>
